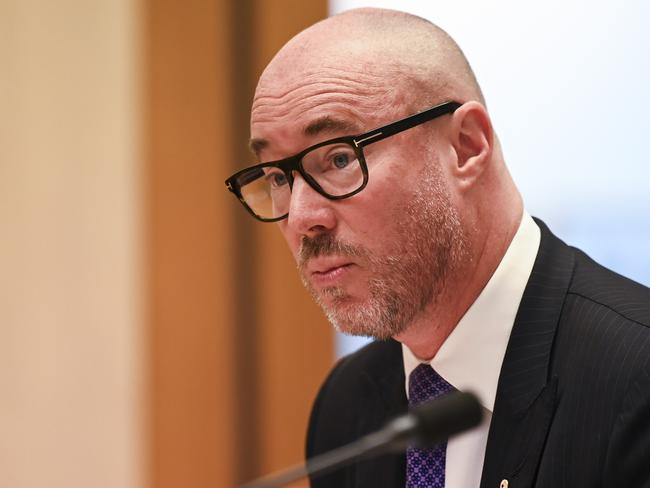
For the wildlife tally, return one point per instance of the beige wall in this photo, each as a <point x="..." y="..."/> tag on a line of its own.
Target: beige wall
<point x="71" y="362"/>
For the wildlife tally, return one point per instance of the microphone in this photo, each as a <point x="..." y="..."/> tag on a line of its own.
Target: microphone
<point x="427" y="424"/>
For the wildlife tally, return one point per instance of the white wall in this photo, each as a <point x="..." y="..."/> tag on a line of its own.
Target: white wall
<point x="568" y="87"/>
<point x="70" y="339"/>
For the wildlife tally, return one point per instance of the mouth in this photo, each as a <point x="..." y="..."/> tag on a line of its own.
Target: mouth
<point x="329" y="274"/>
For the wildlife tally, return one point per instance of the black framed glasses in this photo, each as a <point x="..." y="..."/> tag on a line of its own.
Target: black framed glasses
<point x="335" y="168"/>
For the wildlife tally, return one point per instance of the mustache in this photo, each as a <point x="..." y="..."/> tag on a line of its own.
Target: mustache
<point x="325" y="244"/>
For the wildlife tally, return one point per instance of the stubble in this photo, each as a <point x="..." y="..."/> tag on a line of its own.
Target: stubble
<point x="428" y="245"/>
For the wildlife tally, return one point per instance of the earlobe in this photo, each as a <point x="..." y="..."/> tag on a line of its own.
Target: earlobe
<point x="473" y="139"/>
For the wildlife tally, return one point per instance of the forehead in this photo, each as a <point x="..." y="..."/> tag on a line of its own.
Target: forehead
<point x="304" y="104"/>
<point x="290" y="94"/>
<point x="318" y="127"/>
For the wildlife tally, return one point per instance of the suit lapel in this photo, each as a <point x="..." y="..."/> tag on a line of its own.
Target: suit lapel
<point x="526" y="396"/>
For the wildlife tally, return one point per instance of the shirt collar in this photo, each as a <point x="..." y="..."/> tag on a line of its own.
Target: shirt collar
<point x="470" y="359"/>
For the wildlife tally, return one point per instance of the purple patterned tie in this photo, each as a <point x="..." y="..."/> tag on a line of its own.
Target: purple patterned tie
<point x="425" y="468"/>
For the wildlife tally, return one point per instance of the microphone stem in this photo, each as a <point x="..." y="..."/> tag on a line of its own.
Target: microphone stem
<point x="371" y="444"/>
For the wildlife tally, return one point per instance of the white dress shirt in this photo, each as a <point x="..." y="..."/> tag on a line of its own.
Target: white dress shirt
<point x="470" y="359"/>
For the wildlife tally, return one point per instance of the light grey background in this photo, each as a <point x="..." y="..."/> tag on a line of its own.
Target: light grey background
<point x="568" y="89"/>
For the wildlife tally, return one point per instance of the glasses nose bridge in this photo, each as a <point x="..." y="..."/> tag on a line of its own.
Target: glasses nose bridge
<point x="294" y="165"/>
<point x="288" y="167"/>
<point x="308" y="206"/>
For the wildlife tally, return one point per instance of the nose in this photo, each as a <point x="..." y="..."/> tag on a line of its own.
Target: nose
<point x="310" y="213"/>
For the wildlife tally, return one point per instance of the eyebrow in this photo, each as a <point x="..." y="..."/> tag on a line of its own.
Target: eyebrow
<point x="329" y="124"/>
<point x="256" y="145"/>
<point x="321" y="125"/>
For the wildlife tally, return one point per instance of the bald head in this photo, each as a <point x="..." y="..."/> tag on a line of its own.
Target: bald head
<point x="389" y="50"/>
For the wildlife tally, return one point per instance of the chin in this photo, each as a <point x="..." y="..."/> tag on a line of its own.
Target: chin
<point x="360" y="316"/>
<point x="361" y="321"/>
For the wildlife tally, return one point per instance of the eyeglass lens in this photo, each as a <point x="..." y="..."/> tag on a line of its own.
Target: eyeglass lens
<point x="334" y="167"/>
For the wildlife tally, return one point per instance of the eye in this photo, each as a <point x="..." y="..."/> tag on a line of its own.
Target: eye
<point x="276" y="179"/>
<point x="340" y="160"/>
<point x="336" y="157"/>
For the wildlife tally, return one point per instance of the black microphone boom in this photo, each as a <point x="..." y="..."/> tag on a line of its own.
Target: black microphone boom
<point x="428" y="424"/>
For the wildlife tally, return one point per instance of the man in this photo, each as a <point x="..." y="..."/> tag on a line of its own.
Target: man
<point x="414" y="233"/>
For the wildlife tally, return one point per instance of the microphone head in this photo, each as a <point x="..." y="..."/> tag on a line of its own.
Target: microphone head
<point x="442" y="417"/>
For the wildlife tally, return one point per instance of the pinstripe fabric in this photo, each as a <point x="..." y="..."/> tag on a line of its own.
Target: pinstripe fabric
<point x="573" y="401"/>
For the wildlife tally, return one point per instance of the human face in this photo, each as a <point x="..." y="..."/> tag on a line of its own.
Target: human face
<point x="375" y="261"/>
<point x="402" y="279"/>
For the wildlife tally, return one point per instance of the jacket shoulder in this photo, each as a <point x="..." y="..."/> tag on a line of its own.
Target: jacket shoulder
<point x="610" y="290"/>
<point x="360" y="395"/>
<point x="373" y="360"/>
<point x="354" y="380"/>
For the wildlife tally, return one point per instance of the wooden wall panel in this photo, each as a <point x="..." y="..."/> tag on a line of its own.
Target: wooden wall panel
<point x="188" y="136"/>
<point x="237" y="347"/>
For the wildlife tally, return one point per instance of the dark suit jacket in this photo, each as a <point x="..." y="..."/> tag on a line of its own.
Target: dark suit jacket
<point x="572" y="407"/>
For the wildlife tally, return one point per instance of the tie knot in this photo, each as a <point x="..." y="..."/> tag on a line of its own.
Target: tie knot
<point x="425" y="384"/>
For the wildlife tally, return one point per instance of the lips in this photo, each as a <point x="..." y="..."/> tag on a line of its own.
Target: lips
<point x="329" y="270"/>
<point x="322" y="265"/>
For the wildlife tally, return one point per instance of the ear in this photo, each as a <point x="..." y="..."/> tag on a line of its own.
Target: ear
<point x="473" y="140"/>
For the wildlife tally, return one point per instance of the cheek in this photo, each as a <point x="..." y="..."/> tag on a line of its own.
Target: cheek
<point x="291" y="238"/>
<point x="373" y="216"/>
